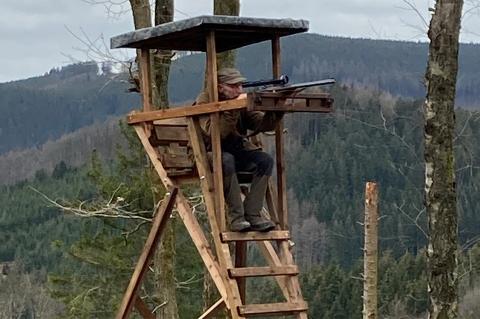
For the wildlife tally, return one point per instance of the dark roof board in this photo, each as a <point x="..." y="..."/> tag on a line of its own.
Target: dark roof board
<point x="189" y="35"/>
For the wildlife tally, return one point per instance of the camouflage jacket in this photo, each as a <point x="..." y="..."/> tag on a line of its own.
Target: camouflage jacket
<point x="234" y="126"/>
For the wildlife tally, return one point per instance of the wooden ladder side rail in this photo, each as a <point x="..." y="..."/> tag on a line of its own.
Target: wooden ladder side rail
<point x="273" y="260"/>
<point x="213" y="310"/>
<point x="240" y="262"/>
<point x="288" y="284"/>
<point x="279" y="146"/>
<point x="159" y="222"/>
<point x="286" y="258"/>
<point x="223" y="252"/>
<point x="185" y="212"/>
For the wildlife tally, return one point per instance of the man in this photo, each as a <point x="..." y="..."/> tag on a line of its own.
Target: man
<point x="239" y="154"/>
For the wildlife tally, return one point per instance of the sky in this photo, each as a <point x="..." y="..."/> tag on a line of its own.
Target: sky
<point x="38" y="35"/>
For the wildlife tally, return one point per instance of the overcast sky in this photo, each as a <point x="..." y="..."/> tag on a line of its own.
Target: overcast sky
<point x="35" y="34"/>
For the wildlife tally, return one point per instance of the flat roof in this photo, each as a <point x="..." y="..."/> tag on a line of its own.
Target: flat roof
<point x="190" y="34"/>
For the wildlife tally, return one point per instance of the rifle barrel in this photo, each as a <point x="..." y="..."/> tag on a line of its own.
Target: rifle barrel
<point x="282" y="80"/>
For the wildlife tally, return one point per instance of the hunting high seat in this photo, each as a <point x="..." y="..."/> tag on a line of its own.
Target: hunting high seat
<point x="172" y="138"/>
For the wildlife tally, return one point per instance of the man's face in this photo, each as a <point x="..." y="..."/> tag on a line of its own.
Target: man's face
<point x="229" y="91"/>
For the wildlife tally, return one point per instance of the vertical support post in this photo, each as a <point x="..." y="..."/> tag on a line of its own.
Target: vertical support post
<point x="146" y="79"/>
<point x="279" y="147"/>
<point x="241" y="261"/>
<point x="370" y="257"/>
<point x="212" y="88"/>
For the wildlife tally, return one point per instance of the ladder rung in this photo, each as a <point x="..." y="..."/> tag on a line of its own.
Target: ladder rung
<point x="272" y="309"/>
<point x="263" y="271"/>
<point x="257" y="236"/>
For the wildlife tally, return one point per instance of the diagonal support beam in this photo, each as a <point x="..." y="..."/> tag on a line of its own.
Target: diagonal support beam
<point x="213" y="310"/>
<point x="186" y="214"/>
<point x="159" y="221"/>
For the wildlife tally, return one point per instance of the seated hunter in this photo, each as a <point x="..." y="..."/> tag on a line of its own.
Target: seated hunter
<point x="240" y="154"/>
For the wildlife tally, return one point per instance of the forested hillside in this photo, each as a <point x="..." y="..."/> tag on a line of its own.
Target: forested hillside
<point x="371" y="136"/>
<point x="44" y="108"/>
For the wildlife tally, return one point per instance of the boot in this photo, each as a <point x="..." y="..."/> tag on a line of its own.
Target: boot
<point x="240" y="225"/>
<point x="253" y="204"/>
<point x="236" y="213"/>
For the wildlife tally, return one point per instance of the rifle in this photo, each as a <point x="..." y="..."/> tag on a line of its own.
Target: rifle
<point x="282" y="80"/>
<point x="281" y="84"/>
<point x="277" y="95"/>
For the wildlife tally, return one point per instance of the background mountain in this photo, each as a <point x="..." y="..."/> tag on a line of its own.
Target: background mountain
<point x="44" y="108"/>
<point x="54" y="122"/>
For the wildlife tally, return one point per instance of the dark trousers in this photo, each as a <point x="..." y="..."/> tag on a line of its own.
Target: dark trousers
<point x="261" y="165"/>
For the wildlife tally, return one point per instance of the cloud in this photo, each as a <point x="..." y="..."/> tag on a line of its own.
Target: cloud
<point x="35" y="38"/>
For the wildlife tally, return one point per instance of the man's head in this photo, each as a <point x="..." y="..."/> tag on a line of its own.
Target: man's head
<point x="229" y="83"/>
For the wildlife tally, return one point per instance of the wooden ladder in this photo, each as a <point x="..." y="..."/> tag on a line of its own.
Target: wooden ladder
<point x="280" y="265"/>
<point x="228" y="274"/>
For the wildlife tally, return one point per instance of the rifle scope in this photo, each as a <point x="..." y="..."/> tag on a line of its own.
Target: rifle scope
<point x="282" y="80"/>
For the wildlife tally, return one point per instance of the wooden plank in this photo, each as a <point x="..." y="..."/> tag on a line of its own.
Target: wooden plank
<point x="217" y="170"/>
<point x="179" y="121"/>
<point x="281" y="177"/>
<point x="146" y="80"/>
<point x="171" y="134"/>
<point x="286" y="308"/>
<point x="223" y="253"/>
<point x="292" y="282"/>
<point x="240" y="262"/>
<point x="279" y="147"/>
<point x="213" y="310"/>
<point x="255" y="236"/>
<point x="263" y="271"/>
<point x="143" y="309"/>
<point x="276" y="63"/>
<point x="212" y="87"/>
<point x="159" y="222"/>
<point x="189" y="110"/>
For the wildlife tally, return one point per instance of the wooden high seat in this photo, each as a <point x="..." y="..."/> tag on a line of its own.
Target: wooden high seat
<point x="173" y="141"/>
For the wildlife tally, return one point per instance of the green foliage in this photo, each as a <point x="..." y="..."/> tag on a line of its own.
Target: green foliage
<point x="28" y="226"/>
<point x="371" y="136"/>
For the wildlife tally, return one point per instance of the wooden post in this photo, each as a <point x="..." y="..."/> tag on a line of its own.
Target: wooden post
<point x="146" y="80"/>
<point x="279" y="147"/>
<point x="159" y="222"/>
<point x="241" y="261"/>
<point x="212" y="88"/>
<point x="370" y="254"/>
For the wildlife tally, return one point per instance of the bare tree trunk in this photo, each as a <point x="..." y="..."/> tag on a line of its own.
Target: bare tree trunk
<point x="142" y="17"/>
<point x="165" y="256"/>
<point x="164" y="259"/>
<point x="162" y="58"/>
<point x="370" y="253"/>
<point x="228" y="8"/>
<point x="440" y="198"/>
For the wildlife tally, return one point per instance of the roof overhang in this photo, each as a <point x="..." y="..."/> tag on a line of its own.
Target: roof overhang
<point x="231" y="32"/>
